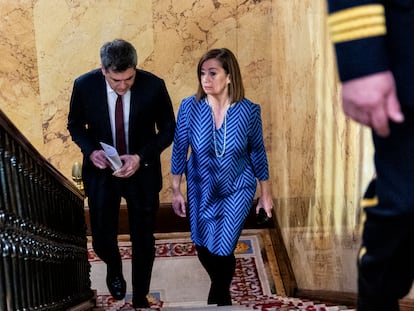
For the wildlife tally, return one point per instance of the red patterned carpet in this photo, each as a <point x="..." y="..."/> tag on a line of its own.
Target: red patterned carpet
<point x="180" y="283"/>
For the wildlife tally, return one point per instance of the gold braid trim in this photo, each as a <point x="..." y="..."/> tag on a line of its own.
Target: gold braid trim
<point x="357" y="23"/>
<point x="361" y="253"/>
<point x="369" y="202"/>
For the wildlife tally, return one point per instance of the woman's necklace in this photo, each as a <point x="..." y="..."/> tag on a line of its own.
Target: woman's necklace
<point x="223" y="149"/>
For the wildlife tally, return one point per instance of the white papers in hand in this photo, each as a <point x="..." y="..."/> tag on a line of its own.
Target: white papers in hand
<point x="112" y="156"/>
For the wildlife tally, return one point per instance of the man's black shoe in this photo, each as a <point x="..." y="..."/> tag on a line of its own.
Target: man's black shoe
<point x="116" y="285"/>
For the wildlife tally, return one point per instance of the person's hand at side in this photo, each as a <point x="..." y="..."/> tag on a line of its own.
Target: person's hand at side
<point x="267" y="204"/>
<point x="265" y="200"/>
<point x="178" y="201"/>
<point x="178" y="204"/>
<point x="372" y="101"/>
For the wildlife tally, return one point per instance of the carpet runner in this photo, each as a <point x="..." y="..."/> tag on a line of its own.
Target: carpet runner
<point x="179" y="282"/>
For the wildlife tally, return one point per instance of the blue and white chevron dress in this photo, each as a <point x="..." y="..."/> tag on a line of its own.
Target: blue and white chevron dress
<point x="220" y="190"/>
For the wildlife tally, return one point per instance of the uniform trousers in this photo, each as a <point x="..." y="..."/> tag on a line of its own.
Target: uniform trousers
<point x="386" y="259"/>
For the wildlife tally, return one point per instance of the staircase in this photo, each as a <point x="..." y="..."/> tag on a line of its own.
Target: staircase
<point x="206" y="308"/>
<point x="264" y="303"/>
<point x="192" y="281"/>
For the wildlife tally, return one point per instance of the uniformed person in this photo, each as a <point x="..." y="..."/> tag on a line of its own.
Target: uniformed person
<point x="375" y="57"/>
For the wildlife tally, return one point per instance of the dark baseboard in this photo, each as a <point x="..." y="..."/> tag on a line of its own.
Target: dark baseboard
<point x="328" y="297"/>
<point x="343" y="298"/>
<point x="168" y="221"/>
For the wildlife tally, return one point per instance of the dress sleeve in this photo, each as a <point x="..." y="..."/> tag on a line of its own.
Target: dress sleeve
<point x="358" y="29"/>
<point x="181" y="140"/>
<point x="257" y="150"/>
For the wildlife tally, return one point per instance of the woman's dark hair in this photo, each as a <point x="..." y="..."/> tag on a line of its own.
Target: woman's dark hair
<point x="118" y="56"/>
<point x="230" y="65"/>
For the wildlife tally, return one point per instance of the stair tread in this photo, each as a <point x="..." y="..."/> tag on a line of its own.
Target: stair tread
<point x="206" y="308"/>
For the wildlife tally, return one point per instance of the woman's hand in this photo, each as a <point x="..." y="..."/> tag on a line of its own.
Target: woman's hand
<point x="178" y="204"/>
<point x="178" y="201"/>
<point x="266" y="203"/>
<point x="265" y="200"/>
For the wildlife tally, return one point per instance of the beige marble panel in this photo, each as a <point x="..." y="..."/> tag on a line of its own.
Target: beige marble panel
<point x="19" y="79"/>
<point x="327" y="260"/>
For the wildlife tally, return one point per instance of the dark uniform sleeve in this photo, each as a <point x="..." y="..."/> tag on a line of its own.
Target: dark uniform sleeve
<point x="358" y="31"/>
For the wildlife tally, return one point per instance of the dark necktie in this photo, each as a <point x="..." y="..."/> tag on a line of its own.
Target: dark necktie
<point x="119" y="126"/>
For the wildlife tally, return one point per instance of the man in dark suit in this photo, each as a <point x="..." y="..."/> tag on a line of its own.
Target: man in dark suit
<point x="375" y="57"/>
<point x="147" y="129"/>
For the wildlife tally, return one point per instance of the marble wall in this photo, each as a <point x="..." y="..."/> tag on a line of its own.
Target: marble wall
<point x="320" y="162"/>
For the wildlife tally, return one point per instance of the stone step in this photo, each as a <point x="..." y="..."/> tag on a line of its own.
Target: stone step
<point x="206" y="308"/>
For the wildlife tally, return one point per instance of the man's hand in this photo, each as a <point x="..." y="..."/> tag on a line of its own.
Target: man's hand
<point x="372" y="101"/>
<point x="131" y="165"/>
<point x="98" y="159"/>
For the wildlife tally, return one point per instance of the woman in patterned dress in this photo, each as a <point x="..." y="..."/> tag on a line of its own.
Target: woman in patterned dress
<point x="219" y="146"/>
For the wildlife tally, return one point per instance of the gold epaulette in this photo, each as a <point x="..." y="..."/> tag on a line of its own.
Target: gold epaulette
<point x="357" y="23"/>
